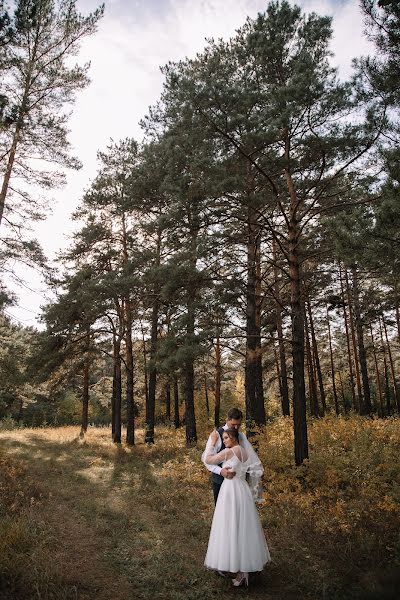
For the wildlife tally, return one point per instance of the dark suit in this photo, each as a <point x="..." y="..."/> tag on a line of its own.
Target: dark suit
<point x="218" y="479"/>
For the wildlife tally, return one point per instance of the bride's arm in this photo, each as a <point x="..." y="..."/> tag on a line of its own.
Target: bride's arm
<point x="216" y="459"/>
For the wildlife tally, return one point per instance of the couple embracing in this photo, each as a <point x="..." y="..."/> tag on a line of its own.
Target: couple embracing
<point x="237" y="543"/>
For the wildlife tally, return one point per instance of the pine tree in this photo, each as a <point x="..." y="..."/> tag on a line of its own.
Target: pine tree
<point x="300" y="142"/>
<point x="40" y="84"/>
<point x="380" y="73"/>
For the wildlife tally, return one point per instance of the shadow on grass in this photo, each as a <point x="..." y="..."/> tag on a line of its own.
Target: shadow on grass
<point x="150" y="530"/>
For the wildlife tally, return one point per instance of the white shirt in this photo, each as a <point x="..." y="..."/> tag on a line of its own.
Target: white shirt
<point x="217" y="447"/>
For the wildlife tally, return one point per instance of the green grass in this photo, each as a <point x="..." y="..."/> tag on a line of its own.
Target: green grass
<point x="89" y="520"/>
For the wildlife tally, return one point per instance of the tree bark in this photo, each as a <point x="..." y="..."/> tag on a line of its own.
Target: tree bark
<point x="206" y="391"/>
<point x="117" y="391"/>
<point x="397" y="309"/>
<point x="278" y="374"/>
<point x="188" y="363"/>
<point x="316" y="359"/>
<point x="188" y="373"/>
<point x="217" y="403"/>
<point x="151" y="401"/>
<point x="282" y="368"/>
<point x="350" y="361"/>
<point x="18" y="126"/>
<point x="359" y="401"/>
<point x="85" y="390"/>
<point x="335" y="398"/>
<point x="297" y="316"/>
<point x="146" y="381"/>
<point x="366" y="406"/>
<point x="114" y="390"/>
<point x="255" y="409"/>
<point x="130" y="402"/>
<point x="312" y="386"/>
<point x="177" y="421"/>
<point x="9" y="168"/>
<point x="386" y="373"/>
<point x="378" y="378"/>
<point x="129" y="360"/>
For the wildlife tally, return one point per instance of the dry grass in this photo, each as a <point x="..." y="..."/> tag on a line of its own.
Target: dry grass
<point x="89" y="520"/>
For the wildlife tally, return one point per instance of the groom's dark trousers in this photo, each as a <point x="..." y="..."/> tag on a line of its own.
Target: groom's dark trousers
<point x="218" y="479"/>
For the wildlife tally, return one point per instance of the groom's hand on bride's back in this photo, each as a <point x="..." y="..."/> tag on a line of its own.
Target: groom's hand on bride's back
<point x="228" y="473"/>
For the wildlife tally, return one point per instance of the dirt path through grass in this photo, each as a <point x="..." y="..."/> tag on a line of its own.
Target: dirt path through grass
<point x="122" y="524"/>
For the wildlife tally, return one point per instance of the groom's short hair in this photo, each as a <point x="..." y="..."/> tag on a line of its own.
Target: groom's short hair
<point x="234" y="413"/>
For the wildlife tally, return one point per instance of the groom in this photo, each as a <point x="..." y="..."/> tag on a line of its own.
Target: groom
<point x="233" y="421"/>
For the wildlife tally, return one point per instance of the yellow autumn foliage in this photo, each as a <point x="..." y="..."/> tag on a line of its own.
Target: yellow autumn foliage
<point x="332" y="524"/>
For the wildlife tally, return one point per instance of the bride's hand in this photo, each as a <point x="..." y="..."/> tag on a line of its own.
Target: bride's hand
<point x="227" y="473"/>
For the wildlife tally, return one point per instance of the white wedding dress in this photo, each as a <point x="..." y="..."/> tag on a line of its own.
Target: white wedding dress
<point x="237" y="541"/>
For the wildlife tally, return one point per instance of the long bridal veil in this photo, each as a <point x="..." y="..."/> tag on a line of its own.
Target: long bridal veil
<point x="254" y="469"/>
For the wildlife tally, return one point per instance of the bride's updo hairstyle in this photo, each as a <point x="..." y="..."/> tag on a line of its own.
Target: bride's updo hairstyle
<point x="233" y="434"/>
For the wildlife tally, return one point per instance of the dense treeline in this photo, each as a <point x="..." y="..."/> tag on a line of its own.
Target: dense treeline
<point x="254" y="231"/>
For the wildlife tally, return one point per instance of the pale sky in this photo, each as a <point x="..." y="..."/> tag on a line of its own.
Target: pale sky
<point x="134" y="39"/>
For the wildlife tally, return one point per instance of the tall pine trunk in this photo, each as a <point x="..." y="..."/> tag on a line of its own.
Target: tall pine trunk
<point x="188" y="375"/>
<point x="378" y="377"/>
<point x="188" y="363"/>
<point x="206" y="392"/>
<point x="334" y="390"/>
<point x="151" y="401"/>
<point x="177" y="421"/>
<point x="85" y="390"/>
<point x="297" y="317"/>
<point x="316" y="358"/>
<point x="9" y="169"/>
<point x="386" y="373"/>
<point x="152" y="377"/>
<point x="282" y="368"/>
<point x="145" y="369"/>
<point x="348" y="343"/>
<point x="397" y="309"/>
<point x="19" y="124"/>
<point x="255" y="410"/>
<point x="117" y="390"/>
<point x="217" y="403"/>
<point x="129" y="360"/>
<point x="366" y="406"/>
<point x="312" y="386"/>
<point x="278" y="373"/>
<point x="359" y="401"/>
<point x="113" y="393"/>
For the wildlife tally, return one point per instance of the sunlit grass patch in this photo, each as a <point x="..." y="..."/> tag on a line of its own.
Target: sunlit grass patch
<point x="140" y="516"/>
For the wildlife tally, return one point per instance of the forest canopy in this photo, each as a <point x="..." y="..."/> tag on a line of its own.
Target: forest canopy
<point x="244" y="252"/>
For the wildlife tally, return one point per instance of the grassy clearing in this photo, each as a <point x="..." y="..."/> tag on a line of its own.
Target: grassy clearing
<point x="90" y="520"/>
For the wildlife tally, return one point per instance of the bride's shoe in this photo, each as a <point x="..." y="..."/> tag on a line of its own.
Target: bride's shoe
<point x="240" y="579"/>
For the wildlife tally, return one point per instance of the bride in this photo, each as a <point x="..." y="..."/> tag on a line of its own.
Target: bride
<point x="237" y="542"/>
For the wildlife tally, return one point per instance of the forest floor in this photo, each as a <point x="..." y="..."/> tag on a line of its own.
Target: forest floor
<point x="85" y="519"/>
